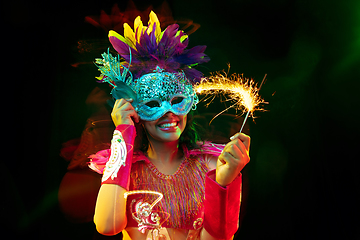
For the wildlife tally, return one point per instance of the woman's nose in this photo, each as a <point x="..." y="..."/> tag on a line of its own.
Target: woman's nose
<point x="169" y="114"/>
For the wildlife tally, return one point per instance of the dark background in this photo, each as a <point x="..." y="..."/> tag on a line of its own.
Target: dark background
<point x="302" y="181"/>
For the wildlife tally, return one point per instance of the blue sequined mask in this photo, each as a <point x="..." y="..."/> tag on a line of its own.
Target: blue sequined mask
<point x="153" y="94"/>
<point x="162" y="92"/>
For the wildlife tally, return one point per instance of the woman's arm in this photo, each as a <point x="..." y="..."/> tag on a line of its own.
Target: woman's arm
<point x="211" y="163"/>
<point x="110" y="211"/>
<point x="223" y="190"/>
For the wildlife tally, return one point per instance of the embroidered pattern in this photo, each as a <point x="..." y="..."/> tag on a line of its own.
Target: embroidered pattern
<point x="183" y="191"/>
<point x="117" y="157"/>
<point x="146" y="218"/>
<point x="198" y="223"/>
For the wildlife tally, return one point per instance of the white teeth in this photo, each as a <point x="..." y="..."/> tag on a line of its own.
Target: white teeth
<point x="166" y="125"/>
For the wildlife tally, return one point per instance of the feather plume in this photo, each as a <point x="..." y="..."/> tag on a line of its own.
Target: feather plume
<point x="151" y="47"/>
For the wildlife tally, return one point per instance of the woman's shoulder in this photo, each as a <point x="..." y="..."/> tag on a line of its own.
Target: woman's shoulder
<point x="207" y="152"/>
<point x="207" y="148"/>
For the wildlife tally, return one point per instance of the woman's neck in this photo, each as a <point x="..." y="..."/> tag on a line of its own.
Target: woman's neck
<point x="166" y="156"/>
<point x="164" y="152"/>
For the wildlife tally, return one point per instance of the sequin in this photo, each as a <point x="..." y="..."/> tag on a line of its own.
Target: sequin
<point x="163" y="87"/>
<point x="159" y="86"/>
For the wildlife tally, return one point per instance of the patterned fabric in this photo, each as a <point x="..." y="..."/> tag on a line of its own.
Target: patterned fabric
<point x="183" y="192"/>
<point x="182" y="205"/>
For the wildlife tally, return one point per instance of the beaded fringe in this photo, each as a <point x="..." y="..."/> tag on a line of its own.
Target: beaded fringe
<point x="183" y="191"/>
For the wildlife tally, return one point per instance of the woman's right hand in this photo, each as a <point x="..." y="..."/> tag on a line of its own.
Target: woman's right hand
<point x="124" y="113"/>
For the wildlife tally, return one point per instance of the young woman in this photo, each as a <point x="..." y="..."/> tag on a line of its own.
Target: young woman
<point x="164" y="185"/>
<point x="164" y="154"/>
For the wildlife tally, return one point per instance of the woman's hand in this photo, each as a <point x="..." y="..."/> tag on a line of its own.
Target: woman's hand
<point x="233" y="159"/>
<point x="124" y="113"/>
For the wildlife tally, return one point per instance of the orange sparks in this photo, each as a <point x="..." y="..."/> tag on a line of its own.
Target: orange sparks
<point x="243" y="92"/>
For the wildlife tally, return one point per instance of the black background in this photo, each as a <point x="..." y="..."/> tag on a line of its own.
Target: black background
<point x="302" y="181"/>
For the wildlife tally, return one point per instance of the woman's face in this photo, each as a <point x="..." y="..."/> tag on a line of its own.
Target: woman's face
<point x="167" y="128"/>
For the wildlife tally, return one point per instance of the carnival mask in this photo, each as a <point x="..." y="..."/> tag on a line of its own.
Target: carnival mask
<point x="161" y="92"/>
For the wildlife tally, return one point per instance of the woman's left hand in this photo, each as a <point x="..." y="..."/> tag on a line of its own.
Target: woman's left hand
<point x="233" y="159"/>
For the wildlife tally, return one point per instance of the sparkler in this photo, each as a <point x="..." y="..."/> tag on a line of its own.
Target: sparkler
<point x="243" y="92"/>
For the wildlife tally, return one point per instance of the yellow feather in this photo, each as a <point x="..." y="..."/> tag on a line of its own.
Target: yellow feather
<point x="100" y="77"/>
<point x="129" y="37"/>
<point x="138" y="27"/>
<point x="129" y="34"/>
<point x="121" y="38"/>
<point x="182" y="38"/>
<point x="153" y="19"/>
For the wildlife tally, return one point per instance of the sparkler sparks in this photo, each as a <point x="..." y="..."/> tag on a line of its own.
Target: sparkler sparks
<point x="243" y="92"/>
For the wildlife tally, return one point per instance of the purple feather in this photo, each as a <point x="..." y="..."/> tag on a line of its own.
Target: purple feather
<point x="193" y="75"/>
<point x="193" y="56"/>
<point x="119" y="46"/>
<point x="169" y="54"/>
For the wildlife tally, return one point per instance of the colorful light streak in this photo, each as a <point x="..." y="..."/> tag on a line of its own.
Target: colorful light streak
<point x="160" y="195"/>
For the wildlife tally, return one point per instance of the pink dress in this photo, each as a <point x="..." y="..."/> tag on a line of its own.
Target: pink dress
<point x="189" y="200"/>
<point x="183" y="192"/>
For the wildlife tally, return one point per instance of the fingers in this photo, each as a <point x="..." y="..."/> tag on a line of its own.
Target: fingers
<point x="128" y="107"/>
<point x="245" y="139"/>
<point x="125" y="104"/>
<point x="124" y="110"/>
<point x="230" y="156"/>
<point x="236" y="147"/>
<point x="236" y="151"/>
<point x="233" y="159"/>
<point x="135" y="116"/>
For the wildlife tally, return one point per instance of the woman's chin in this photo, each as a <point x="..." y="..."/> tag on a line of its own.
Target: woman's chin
<point x="168" y="135"/>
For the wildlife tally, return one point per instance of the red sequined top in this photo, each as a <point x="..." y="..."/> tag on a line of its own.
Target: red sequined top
<point x="183" y="192"/>
<point x="182" y="204"/>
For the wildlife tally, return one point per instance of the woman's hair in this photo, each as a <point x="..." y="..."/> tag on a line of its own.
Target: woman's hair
<point x="190" y="136"/>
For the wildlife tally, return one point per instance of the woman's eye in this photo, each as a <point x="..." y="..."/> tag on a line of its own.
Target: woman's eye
<point x="152" y="104"/>
<point x="176" y="100"/>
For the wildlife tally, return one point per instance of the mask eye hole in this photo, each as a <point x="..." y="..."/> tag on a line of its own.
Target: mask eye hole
<point x="176" y="100"/>
<point x="152" y="104"/>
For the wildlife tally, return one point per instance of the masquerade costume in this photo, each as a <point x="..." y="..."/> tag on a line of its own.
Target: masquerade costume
<point x="159" y="66"/>
<point x="157" y="73"/>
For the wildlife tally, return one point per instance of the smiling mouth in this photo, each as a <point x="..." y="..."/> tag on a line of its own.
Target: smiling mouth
<point x="168" y="125"/>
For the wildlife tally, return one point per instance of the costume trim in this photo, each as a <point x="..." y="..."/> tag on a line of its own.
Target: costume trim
<point x="222" y="207"/>
<point x="183" y="191"/>
<point x="117" y="157"/>
<point x="115" y="164"/>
